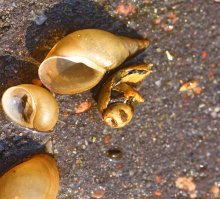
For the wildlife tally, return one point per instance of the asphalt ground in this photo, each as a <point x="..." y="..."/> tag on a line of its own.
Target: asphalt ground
<point x="171" y="148"/>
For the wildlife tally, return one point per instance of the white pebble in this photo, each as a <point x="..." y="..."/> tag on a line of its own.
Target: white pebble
<point x="169" y="56"/>
<point x="39" y="20"/>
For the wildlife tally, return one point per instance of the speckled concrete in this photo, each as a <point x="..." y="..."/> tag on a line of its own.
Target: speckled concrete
<point x="172" y="134"/>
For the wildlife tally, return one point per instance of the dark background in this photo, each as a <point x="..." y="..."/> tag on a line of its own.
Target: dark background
<point x="172" y="134"/>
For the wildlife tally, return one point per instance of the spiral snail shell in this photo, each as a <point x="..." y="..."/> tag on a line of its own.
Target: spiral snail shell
<point x="31" y="106"/>
<point x="117" y="98"/>
<point x="36" y="178"/>
<point x="79" y="60"/>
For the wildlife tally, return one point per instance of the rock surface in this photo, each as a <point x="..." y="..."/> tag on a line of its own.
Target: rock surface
<point x="173" y="134"/>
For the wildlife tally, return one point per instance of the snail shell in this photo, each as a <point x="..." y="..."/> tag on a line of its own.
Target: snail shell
<point x="31" y="106"/>
<point x="118" y="115"/>
<point x="117" y="98"/>
<point x="36" y="178"/>
<point x="79" y="60"/>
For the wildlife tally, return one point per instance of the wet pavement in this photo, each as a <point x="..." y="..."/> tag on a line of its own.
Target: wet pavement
<point x="171" y="147"/>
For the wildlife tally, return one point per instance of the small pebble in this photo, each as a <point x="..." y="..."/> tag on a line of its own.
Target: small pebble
<point x="171" y="15"/>
<point x="217" y="109"/>
<point x="65" y="114"/>
<point x="39" y="20"/>
<point x="158" y="83"/>
<point x="157" y="193"/>
<point x="189" y="85"/>
<point x="49" y="146"/>
<point x="213" y="114"/>
<point x="187" y="184"/>
<point x="126" y="8"/>
<point x="204" y="54"/>
<point x="107" y="139"/>
<point x="94" y="138"/>
<point x="158" y="179"/>
<point x="98" y="193"/>
<point x="84" y="106"/>
<point x="169" y="56"/>
<point x="157" y="20"/>
<point x="167" y="28"/>
<point x="114" y="154"/>
<point x="198" y="90"/>
<point x="55" y="151"/>
<point x="158" y="50"/>
<point x="215" y="191"/>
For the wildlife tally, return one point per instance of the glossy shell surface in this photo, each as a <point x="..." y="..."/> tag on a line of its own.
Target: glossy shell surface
<point x="118" y="98"/>
<point x="79" y="60"/>
<point x="31" y="106"/>
<point x="36" y="178"/>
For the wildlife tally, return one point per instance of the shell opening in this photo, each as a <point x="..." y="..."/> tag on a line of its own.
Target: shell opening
<point x="66" y="76"/>
<point x="18" y="105"/>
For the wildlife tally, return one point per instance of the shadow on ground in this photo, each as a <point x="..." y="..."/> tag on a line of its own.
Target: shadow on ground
<point x="15" y="149"/>
<point x="65" y="18"/>
<point x="15" y="72"/>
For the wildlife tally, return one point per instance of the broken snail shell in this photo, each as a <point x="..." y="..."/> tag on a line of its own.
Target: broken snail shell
<point x="117" y="98"/>
<point x="80" y="60"/>
<point x="31" y="106"/>
<point x="36" y="178"/>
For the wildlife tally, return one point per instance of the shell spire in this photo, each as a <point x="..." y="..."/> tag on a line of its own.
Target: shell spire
<point x="134" y="45"/>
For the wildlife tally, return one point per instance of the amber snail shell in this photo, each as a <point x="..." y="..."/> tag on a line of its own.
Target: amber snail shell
<point x="31" y="106"/>
<point x="80" y="60"/>
<point x="36" y="178"/>
<point x="117" y="97"/>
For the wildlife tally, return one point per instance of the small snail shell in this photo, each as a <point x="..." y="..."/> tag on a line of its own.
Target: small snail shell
<point x="36" y="178"/>
<point x="79" y="60"/>
<point x="117" y="98"/>
<point x="31" y="106"/>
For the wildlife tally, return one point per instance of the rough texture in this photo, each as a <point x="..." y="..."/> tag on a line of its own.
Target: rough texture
<point x="173" y="134"/>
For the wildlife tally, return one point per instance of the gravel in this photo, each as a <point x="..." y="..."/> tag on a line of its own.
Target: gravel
<point x="173" y="134"/>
